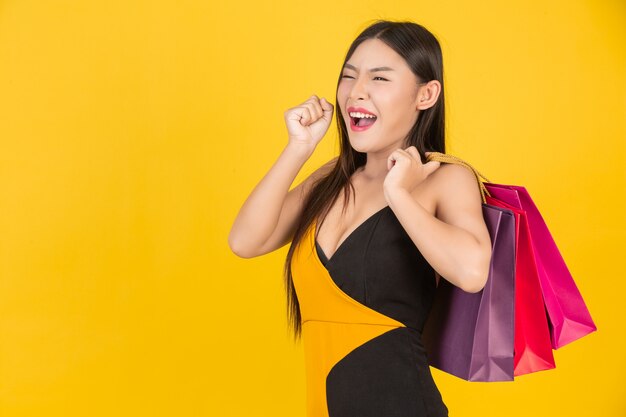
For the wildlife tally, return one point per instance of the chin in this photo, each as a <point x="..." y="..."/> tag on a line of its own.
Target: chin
<point x="361" y="147"/>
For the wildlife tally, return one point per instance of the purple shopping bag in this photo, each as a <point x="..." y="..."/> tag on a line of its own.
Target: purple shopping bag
<point x="471" y="335"/>
<point x="568" y="316"/>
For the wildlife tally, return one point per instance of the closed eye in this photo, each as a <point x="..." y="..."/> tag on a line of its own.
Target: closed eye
<point x="347" y="76"/>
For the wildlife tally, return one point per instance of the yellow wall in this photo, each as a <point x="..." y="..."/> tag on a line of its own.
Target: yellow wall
<point x="132" y="131"/>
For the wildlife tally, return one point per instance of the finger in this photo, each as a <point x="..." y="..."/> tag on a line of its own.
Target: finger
<point x="391" y="160"/>
<point x="316" y="107"/>
<point x="431" y="167"/>
<point x="305" y="116"/>
<point x="326" y="107"/>
<point x="397" y="157"/>
<point x="315" y="113"/>
<point x="403" y="154"/>
<point x="412" y="150"/>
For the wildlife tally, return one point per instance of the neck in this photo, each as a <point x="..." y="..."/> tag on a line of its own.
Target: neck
<point x="374" y="169"/>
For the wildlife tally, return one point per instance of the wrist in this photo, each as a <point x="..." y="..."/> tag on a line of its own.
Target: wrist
<point x="299" y="151"/>
<point x="396" y="195"/>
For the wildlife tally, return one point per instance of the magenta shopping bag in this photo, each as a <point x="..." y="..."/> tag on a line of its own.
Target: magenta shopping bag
<point x="533" y="347"/>
<point x="568" y="316"/>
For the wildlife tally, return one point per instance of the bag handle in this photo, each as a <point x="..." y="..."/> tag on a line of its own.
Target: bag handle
<point x="447" y="158"/>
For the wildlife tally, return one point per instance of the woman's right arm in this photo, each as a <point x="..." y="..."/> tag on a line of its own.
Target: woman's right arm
<point x="268" y="218"/>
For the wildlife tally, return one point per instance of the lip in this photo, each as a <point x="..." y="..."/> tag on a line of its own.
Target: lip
<point x="360" y="110"/>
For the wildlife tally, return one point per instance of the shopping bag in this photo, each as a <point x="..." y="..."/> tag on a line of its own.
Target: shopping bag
<point x="533" y="348"/>
<point x="471" y="335"/>
<point x="568" y="316"/>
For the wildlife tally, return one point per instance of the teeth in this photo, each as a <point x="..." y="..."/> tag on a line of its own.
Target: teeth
<point x="361" y="115"/>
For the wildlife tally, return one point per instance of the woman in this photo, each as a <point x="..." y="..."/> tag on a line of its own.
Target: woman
<point x="361" y="273"/>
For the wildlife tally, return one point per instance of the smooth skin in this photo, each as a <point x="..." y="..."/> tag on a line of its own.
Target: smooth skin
<point x="439" y="205"/>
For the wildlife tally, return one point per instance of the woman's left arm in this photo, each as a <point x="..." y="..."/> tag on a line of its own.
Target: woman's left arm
<point x="456" y="243"/>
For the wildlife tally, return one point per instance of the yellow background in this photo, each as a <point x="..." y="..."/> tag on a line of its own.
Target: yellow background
<point x="132" y="131"/>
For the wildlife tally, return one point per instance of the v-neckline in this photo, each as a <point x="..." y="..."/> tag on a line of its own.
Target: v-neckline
<point x="342" y="243"/>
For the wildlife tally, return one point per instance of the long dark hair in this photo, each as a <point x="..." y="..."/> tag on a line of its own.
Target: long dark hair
<point x="422" y="52"/>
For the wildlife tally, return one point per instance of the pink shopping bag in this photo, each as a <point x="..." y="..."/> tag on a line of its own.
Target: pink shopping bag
<point x="568" y="316"/>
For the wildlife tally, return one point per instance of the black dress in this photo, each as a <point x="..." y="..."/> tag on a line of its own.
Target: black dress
<point x="363" y="312"/>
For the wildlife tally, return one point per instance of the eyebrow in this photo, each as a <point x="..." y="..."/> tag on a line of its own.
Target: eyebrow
<point x="377" y="69"/>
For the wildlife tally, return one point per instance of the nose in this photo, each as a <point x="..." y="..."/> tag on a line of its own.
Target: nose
<point x="359" y="89"/>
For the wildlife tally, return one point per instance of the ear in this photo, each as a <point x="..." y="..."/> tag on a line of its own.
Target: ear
<point x="427" y="95"/>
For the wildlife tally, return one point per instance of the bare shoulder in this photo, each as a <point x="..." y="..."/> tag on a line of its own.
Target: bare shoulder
<point x="458" y="197"/>
<point x="452" y="176"/>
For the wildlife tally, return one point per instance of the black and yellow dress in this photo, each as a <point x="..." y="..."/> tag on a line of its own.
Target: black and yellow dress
<point x="363" y="312"/>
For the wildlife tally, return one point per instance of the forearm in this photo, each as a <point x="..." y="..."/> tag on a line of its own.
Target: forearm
<point x="267" y="198"/>
<point x="452" y="251"/>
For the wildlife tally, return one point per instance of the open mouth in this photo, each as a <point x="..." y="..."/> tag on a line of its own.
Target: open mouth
<point x="363" y="121"/>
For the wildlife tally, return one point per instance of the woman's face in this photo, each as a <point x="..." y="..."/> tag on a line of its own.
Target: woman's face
<point x="391" y="94"/>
